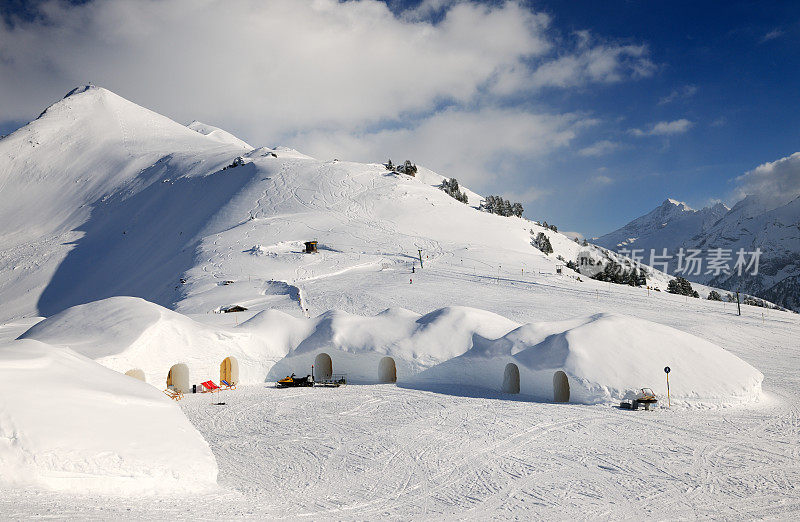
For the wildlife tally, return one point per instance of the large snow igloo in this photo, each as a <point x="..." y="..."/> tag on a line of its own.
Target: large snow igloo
<point x="602" y="358"/>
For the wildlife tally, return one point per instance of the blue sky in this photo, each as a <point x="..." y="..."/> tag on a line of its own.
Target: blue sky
<point x="591" y="113"/>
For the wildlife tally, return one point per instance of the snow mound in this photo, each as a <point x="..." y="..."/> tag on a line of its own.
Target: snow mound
<point x="605" y="357"/>
<point x="218" y="134"/>
<point x="123" y="333"/>
<point x="357" y="344"/>
<point x="68" y="424"/>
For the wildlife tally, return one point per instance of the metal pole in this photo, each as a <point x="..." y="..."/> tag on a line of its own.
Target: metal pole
<point x="738" y="304"/>
<point x="420" y="257"/>
<point x="669" y="401"/>
<point x="667" y="370"/>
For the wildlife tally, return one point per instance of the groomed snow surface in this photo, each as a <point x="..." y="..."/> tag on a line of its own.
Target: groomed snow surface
<point x="102" y="198"/>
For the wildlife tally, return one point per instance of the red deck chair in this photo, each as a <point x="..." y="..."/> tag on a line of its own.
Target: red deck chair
<point x="210" y="387"/>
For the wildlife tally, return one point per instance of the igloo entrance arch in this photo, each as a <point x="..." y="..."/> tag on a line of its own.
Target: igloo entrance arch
<point x="136" y="373"/>
<point x="387" y="370"/>
<point x="323" y="367"/>
<point x="560" y="387"/>
<point x="178" y="378"/>
<point x="511" y="378"/>
<point x="229" y="370"/>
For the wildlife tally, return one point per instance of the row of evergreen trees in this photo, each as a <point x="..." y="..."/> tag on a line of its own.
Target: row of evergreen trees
<point x="682" y="286"/>
<point x="747" y="299"/>
<point x="613" y="272"/>
<point x="542" y="242"/>
<point x="502" y="207"/>
<point x="405" y="168"/>
<point x="545" y="225"/>
<point x="451" y="188"/>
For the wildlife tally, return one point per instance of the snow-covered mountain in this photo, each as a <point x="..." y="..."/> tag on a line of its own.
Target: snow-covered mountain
<point x="751" y="224"/>
<point x="666" y="226"/>
<point x="776" y="233"/>
<point x="101" y="197"/>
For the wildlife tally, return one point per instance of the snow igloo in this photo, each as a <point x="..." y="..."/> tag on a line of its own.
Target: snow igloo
<point x="386" y="348"/>
<point x="602" y="358"/>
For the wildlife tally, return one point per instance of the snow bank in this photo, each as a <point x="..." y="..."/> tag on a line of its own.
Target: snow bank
<point x="415" y="342"/>
<point x="605" y="357"/>
<point x="68" y="424"/>
<point x="123" y="333"/>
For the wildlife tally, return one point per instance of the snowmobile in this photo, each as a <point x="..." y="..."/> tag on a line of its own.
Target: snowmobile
<point x="292" y="381"/>
<point x="645" y="397"/>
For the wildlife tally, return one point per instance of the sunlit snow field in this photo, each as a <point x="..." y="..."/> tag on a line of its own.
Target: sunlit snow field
<point x="383" y="451"/>
<point x="103" y="198"/>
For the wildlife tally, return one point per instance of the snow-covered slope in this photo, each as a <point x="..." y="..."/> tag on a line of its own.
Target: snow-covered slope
<point x="101" y="197"/>
<point x="145" y="207"/>
<point x="218" y="134"/>
<point x="58" y="175"/>
<point x="69" y="424"/>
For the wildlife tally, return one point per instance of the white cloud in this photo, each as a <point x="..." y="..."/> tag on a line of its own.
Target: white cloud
<point x="775" y="33"/>
<point x="776" y="182"/>
<point x="267" y="68"/>
<point x="687" y="91"/>
<point x="586" y="64"/>
<point x="665" y="128"/>
<point x="530" y="195"/>
<point x="427" y="9"/>
<point x="473" y="146"/>
<point x="599" y="148"/>
<point x="601" y="179"/>
<point x="350" y="80"/>
<point x="719" y="122"/>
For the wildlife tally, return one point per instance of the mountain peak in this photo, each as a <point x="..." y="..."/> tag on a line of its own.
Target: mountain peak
<point x="81" y="89"/>
<point x="669" y="202"/>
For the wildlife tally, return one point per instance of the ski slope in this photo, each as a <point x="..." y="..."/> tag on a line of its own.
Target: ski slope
<point x="101" y="198"/>
<point x="367" y="452"/>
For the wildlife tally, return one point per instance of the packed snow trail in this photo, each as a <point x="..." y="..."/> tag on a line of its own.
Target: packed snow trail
<point x="367" y="452"/>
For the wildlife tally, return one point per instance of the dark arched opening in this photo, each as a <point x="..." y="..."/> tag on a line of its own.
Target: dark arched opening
<point x="387" y="370"/>
<point x="560" y="387"/>
<point x="511" y="378"/>
<point x="323" y="367"/>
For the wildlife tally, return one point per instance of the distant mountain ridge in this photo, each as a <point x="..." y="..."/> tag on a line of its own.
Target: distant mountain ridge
<point x="666" y="226"/>
<point x="750" y="225"/>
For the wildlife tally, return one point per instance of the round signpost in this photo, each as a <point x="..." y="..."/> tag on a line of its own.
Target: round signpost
<point x="667" y="370"/>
